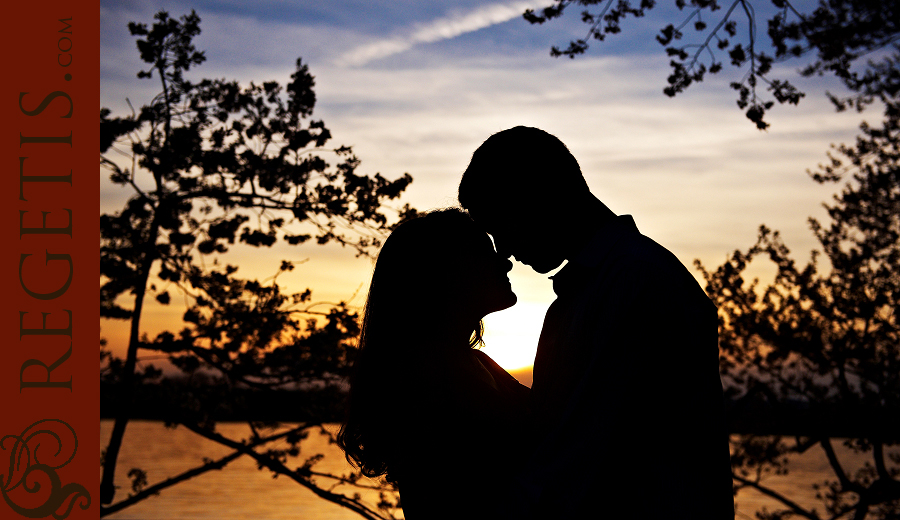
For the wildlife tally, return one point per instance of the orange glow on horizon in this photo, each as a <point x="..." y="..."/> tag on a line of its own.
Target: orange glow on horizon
<point x="511" y="336"/>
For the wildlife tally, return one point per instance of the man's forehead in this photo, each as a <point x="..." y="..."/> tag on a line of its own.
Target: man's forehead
<point x="489" y="216"/>
<point x="492" y="226"/>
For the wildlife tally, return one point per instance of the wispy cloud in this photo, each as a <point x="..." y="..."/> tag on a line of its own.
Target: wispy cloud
<point x="440" y="29"/>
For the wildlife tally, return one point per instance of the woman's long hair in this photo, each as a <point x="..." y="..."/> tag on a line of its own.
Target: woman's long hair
<point x="414" y="291"/>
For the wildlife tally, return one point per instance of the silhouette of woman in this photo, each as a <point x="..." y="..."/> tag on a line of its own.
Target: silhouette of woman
<point x="428" y="411"/>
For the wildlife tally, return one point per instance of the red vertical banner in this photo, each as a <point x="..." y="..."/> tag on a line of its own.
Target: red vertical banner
<point x="49" y="387"/>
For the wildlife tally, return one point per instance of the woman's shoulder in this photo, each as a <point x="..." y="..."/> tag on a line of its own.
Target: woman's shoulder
<point x="468" y="383"/>
<point x="491" y="365"/>
<point x="503" y="378"/>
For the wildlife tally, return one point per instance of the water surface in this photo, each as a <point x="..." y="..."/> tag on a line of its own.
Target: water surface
<point x="240" y="491"/>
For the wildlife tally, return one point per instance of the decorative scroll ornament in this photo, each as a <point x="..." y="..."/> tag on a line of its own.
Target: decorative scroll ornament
<point x="35" y="455"/>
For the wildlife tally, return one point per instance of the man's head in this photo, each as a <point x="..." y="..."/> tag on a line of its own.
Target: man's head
<point x="524" y="187"/>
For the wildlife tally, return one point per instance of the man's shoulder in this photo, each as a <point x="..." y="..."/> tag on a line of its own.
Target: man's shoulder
<point x="620" y="241"/>
<point x="641" y="264"/>
<point x="620" y="256"/>
<point x="638" y="252"/>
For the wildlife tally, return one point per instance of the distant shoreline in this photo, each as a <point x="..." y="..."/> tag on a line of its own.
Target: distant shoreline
<point x="747" y="415"/>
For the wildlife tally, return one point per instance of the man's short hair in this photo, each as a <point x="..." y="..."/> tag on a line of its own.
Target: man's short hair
<point x="521" y="165"/>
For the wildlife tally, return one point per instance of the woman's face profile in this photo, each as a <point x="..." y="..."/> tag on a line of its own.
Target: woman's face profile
<point x="484" y="279"/>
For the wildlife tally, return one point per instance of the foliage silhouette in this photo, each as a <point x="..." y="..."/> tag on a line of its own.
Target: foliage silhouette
<point x="209" y="164"/>
<point x="826" y="335"/>
<point x="837" y="33"/>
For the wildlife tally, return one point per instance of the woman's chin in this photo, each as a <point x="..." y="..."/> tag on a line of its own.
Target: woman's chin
<point x="507" y="302"/>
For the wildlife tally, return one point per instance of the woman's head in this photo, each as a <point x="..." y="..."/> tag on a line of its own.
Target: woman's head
<point x="438" y="270"/>
<point x="434" y="279"/>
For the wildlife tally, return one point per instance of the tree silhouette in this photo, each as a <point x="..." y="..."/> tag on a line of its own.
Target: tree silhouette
<point x="705" y="35"/>
<point x="825" y="336"/>
<point x="210" y="164"/>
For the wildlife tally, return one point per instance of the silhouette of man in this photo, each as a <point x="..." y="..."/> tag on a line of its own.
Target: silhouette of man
<point x="627" y="396"/>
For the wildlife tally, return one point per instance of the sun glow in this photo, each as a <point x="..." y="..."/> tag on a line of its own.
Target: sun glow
<point x="511" y="336"/>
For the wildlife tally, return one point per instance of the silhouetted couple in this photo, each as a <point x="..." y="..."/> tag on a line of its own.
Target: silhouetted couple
<point x="625" y="417"/>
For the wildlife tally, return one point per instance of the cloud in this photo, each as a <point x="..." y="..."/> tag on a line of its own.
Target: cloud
<point x="440" y="29"/>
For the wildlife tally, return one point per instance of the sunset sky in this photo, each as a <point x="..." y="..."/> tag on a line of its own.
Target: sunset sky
<point x="416" y="86"/>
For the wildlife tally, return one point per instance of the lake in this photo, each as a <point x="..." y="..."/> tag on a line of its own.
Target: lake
<point x="240" y="491"/>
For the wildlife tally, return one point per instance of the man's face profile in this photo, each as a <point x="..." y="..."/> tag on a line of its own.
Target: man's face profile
<point x="525" y="235"/>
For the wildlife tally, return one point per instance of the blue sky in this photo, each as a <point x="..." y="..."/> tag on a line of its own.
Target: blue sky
<point x="416" y="86"/>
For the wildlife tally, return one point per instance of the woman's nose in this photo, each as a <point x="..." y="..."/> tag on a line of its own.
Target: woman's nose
<point x="503" y="252"/>
<point x="500" y="247"/>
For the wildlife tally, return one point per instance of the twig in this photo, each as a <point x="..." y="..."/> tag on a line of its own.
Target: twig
<point x="777" y="496"/>
<point x="156" y="488"/>
<point x="295" y="475"/>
